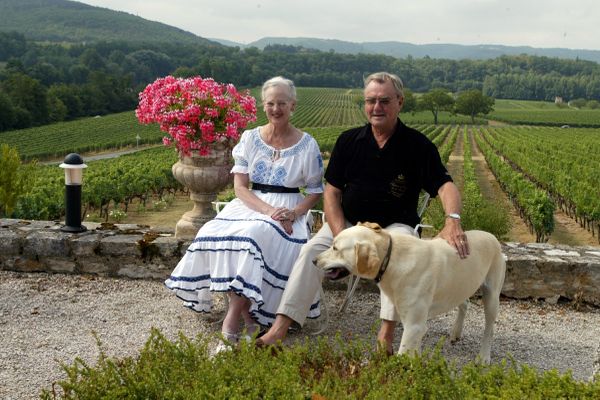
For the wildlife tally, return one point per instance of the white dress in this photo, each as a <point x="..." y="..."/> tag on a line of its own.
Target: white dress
<point x="243" y="250"/>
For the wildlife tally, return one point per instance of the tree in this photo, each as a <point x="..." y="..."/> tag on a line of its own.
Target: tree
<point x="69" y="95"/>
<point x="593" y="104"/>
<point x="578" y="103"/>
<point x="28" y="94"/>
<point x="8" y="117"/>
<point x="57" y="111"/>
<point x="473" y="102"/>
<point x="15" y="178"/>
<point x="410" y="101"/>
<point x="436" y="100"/>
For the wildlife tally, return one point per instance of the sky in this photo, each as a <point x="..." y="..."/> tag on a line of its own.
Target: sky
<point x="573" y="24"/>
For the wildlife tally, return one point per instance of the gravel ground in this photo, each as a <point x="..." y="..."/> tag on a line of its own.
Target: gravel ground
<point x="48" y="319"/>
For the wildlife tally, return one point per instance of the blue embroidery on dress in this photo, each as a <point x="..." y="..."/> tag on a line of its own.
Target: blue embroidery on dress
<point x="264" y="313"/>
<point x="189" y="278"/>
<point x="278" y="177"/>
<point x="298" y="147"/>
<point x="279" y="230"/>
<point x="273" y="285"/>
<point x="261" y="172"/>
<point x="242" y="162"/>
<point x="242" y="239"/>
<point x="315" y="183"/>
<point x="261" y="146"/>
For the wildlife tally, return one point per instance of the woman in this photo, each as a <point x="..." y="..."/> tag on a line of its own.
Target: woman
<point x="249" y="248"/>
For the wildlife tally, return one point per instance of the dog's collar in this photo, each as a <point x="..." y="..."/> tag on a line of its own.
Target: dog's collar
<point x="384" y="263"/>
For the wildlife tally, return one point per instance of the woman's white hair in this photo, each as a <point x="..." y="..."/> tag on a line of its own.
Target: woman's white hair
<point x="279" y="81"/>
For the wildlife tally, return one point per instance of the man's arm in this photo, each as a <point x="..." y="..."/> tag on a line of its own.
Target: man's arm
<point x="452" y="231"/>
<point x="332" y="206"/>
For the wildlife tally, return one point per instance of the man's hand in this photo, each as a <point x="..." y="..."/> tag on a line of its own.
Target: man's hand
<point x="452" y="231"/>
<point x="455" y="236"/>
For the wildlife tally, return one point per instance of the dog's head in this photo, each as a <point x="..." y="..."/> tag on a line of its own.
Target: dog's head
<point x="356" y="250"/>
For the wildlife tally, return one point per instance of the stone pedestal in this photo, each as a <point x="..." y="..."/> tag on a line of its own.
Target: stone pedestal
<point x="205" y="177"/>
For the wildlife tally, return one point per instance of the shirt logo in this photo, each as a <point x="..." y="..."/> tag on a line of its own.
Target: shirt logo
<point x="398" y="186"/>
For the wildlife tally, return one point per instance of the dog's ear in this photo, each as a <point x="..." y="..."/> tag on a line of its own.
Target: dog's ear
<point x="367" y="260"/>
<point x="371" y="225"/>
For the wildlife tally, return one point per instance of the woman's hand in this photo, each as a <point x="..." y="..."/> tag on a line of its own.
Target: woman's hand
<point x="286" y="218"/>
<point x="277" y="213"/>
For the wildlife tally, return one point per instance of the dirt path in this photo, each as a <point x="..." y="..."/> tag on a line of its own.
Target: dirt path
<point x="491" y="191"/>
<point x="103" y="155"/>
<point x="455" y="162"/>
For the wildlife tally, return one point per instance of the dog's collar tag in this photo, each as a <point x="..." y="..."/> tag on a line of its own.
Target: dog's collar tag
<point x="384" y="263"/>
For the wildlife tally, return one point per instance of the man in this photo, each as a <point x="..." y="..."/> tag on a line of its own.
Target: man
<point x="375" y="174"/>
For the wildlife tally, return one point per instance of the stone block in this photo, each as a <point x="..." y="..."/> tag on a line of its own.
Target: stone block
<point x="85" y="245"/>
<point x="23" y="264"/>
<point x="169" y="246"/>
<point x="33" y="226"/>
<point x="61" y="265"/>
<point x="11" y="243"/>
<point x="120" y="246"/>
<point x="43" y="243"/>
<point x="96" y="267"/>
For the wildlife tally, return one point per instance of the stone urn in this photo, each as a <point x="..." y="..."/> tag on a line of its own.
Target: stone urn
<point x="205" y="177"/>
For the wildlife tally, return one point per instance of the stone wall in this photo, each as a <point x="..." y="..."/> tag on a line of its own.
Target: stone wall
<point x="534" y="270"/>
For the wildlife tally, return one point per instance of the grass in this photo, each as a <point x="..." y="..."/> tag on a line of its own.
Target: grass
<point x="324" y="369"/>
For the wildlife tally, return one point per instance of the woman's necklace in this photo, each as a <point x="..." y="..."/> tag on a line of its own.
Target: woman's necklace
<point x="276" y="155"/>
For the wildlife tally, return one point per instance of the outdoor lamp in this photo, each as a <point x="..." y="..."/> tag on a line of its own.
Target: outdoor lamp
<point x="73" y="166"/>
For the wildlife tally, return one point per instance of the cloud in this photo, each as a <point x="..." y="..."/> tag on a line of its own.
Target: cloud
<point x="548" y="23"/>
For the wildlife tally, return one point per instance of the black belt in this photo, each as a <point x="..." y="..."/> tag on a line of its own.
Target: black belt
<point x="274" y="189"/>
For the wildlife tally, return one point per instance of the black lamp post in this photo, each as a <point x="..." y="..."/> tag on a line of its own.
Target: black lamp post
<point x="73" y="166"/>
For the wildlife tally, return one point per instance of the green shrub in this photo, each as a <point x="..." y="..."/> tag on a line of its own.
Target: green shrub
<point x="326" y="368"/>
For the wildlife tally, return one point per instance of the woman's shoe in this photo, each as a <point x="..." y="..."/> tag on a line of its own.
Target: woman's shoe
<point x="227" y="342"/>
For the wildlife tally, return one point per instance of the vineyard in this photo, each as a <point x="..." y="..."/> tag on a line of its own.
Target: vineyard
<point x="543" y="113"/>
<point x="562" y="165"/>
<point x="82" y="136"/>
<point x="316" y="108"/>
<point x="540" y="168"/>
<point x="113" y="183"/>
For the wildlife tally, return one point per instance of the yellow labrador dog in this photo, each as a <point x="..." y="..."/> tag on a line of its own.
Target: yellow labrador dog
<point x="423" y="278"/>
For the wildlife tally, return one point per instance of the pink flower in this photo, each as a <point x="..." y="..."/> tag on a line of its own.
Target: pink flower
<point x="196" y="112"/>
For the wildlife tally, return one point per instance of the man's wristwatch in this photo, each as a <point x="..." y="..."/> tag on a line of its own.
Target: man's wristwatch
<point x="453" y="216"/>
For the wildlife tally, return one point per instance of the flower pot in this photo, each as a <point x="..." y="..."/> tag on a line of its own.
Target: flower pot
<point x="204" y="176"/>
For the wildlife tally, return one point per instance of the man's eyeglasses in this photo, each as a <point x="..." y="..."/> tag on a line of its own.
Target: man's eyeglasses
<point x="384" y="101"/>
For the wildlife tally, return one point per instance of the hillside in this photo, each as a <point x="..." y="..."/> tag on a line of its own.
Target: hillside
<point x="75" y="22"/>
<point x="71" y="21"/>
<point x="402" y="49"/>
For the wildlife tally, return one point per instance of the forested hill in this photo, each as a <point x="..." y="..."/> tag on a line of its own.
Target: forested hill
<point x="436" y="50"/>
<point x="71" y="21"/>
<point x="113" y="56"/>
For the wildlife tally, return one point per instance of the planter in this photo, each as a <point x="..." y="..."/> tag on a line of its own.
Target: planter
<point x="205" y="177"/>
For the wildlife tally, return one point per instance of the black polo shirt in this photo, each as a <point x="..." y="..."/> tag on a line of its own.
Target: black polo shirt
<point x="383" y="185"/>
